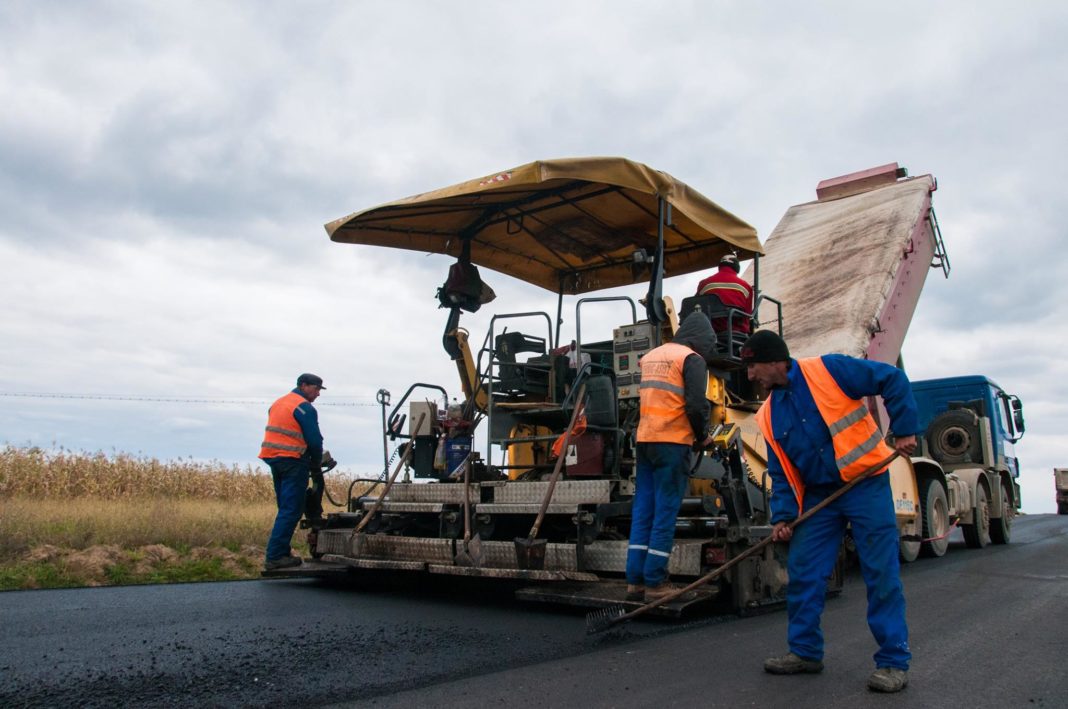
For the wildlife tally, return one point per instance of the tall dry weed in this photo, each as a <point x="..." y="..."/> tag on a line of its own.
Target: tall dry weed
<point x="71" y="518"/>
<point x="81" y="523"/>
<point x="60" y="474"/>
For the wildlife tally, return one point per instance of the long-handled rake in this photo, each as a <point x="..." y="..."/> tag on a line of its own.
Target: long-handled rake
<point x="356" y="541"/>
<point x="471" y="552"/>
<point x="605" y="618"/>
<point x="529" y="551"/>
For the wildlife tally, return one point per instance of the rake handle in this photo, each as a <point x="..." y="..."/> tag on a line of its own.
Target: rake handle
<point x="712" y="575"/>
<point x="559" y="464"/>
<point x="467" y="501"/>
<point x="381" y="498"/>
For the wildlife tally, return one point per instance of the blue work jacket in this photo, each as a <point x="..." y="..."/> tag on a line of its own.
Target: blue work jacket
<point x="804" y="436"/>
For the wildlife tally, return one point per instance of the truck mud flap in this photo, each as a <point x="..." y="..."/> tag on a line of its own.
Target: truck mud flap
<point x="600" y="594"/>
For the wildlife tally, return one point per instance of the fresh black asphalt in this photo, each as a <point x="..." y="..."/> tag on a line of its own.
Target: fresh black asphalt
<point x="987" y="630"/>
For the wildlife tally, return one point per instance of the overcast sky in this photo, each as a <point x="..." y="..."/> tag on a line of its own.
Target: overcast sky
<point x="166" y="170"/>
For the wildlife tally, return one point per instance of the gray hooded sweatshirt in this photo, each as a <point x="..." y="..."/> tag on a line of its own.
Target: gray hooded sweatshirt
<point x="696" y="333"/>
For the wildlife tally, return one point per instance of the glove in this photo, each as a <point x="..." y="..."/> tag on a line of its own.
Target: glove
<point x="328" y="463"/>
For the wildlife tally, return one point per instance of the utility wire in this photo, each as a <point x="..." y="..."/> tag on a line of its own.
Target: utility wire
<point x="171" y="400"/>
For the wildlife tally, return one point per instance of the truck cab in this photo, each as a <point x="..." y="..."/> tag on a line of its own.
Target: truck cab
<point x="966" y="469"/>
<point x="969" y="420"/>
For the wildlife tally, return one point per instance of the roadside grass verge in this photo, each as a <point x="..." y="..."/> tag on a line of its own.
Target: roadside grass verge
<point x="88" y="542"/>
<point x="76" y="519"/>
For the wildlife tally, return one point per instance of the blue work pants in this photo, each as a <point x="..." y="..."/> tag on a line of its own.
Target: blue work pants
<point x="869" y="509"/>
<point x="290" y="477"/>
<point x="661" y="482"/>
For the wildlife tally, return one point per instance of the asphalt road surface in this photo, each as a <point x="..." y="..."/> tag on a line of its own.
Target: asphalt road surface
<point x="987" y="630"/>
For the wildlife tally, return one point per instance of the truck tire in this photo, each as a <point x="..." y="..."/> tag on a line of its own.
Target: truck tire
<point x="909" y="549"/>
<point x="1001" y="527"/>
<point x="934" y="511"/>
<point x="953" y="437"/>
<point x="977" y="534"/>
<point x="1062" y="508"/>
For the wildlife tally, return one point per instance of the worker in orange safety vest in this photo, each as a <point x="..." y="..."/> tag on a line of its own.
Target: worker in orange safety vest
<point x="674" y="415"/>
<point x="292" y="448"/>
<point x="820" y="435"/>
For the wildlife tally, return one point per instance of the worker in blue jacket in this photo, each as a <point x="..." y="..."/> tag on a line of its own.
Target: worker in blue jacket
<point x="293" y="449"/>
<point x="820" y="435"/>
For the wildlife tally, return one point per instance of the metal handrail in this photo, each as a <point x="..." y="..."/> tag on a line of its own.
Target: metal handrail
<point x="491" y="342"/>
<point x="578" y="319"/>
<point x="778" y="305"/>
<point x="408" y="393"/>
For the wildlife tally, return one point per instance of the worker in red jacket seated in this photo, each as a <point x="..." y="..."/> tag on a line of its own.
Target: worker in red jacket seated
<point x="732" y="291"/>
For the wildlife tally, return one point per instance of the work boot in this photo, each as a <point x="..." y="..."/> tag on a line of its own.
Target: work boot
<point x="888" y="679"/>
<point x="284" y="562"/>
<point x="635" y="593"/>
<point x="791" y="664"/>
<point x="658" y="593"/>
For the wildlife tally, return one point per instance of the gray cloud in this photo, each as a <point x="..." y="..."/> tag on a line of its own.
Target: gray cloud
<point x="166" y="169"/>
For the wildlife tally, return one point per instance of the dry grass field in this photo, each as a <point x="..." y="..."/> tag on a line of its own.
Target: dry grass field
<point x="77" y="519"/>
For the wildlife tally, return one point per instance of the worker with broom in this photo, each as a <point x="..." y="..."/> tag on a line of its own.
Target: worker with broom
<point x="674" y="415"/>
<point x="820" y="435"/>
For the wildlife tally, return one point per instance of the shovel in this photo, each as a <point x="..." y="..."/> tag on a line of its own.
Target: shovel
<point x="356" y="540"/>
<point x="471" y="552"/>
<point x="605" y="618"/>
<point x="530" y="552"/>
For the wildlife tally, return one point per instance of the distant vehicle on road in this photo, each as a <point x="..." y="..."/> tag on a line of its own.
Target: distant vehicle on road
<point x="1060" y="479"/>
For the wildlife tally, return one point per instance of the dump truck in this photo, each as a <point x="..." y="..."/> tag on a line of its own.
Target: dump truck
<point x="840" y="274"/>
<point x="1060" y="482"/>
<point x="847" y="271"/>
<point x="966" y="470"/>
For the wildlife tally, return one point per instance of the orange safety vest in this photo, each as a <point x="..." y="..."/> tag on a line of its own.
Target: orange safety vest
<point x="663" y="397"/>
<point x="858" y="442"/>
<point x="283" y="437"/>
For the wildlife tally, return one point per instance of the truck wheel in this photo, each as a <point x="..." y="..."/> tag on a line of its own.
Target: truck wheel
<point x="977" y="534"/>
<point x="1001" y="528"/>
<point x="910" y="548"/>
<point x="953" y="437"/>
<point x="1062" y="508"/>
<point x="934" y="511"/>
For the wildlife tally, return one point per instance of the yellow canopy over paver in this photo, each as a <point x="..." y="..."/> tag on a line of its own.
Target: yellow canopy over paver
<point x="570" y="225"/>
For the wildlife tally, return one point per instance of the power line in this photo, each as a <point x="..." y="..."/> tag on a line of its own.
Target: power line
<point x="171" y="400"/>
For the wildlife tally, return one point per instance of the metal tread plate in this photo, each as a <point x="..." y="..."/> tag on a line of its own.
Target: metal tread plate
<point x="599" y="556"/>
<point x="391" y="506"/>
<point x="571" y="492"/>
<point x="521" y="574"/>
<point x="605" y="593"/>
<point x="379" y="564"/>
<point x="333" y="541"/>
<point x="532" y="508"/>
<point x="501" y="555"/>
<point x="311" y="568"/>
<point x="447" y="493"/>
<point x="387" y="547"/>
<point x="612" y="556"/>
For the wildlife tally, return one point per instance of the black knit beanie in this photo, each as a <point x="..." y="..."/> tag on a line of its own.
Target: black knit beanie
<point x="765" y="346"/>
